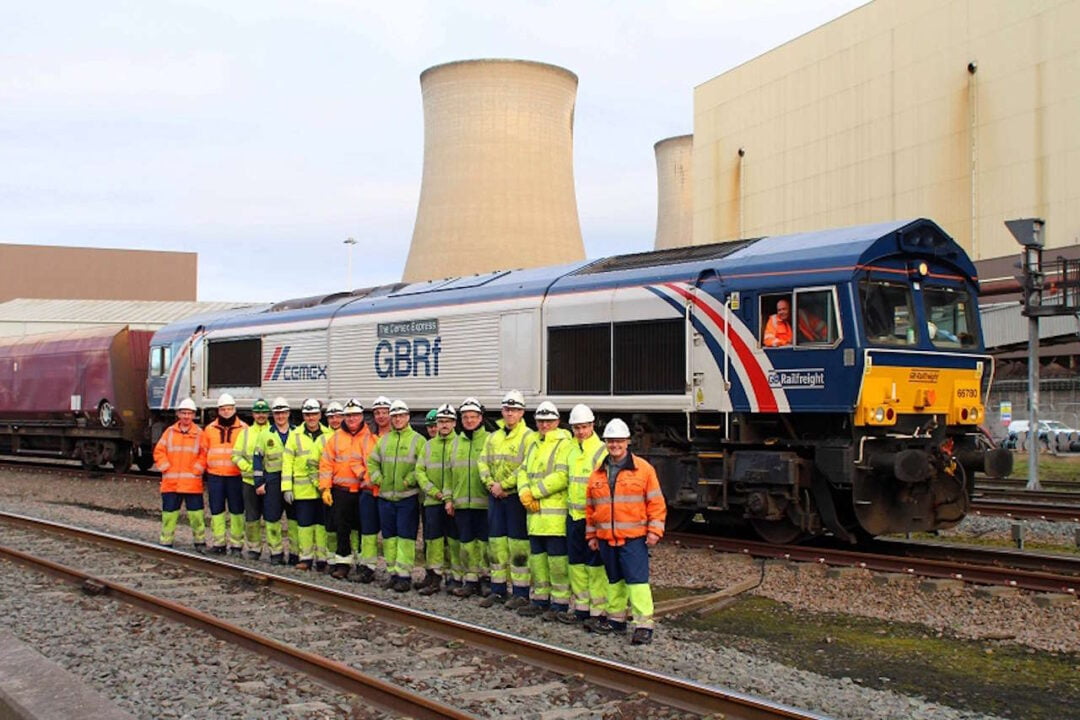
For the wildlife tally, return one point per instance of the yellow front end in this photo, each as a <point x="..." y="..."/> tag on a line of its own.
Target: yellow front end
<point x="889" y="392"/>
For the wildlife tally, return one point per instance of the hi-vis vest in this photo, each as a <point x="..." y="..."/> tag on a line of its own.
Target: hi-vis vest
<point x="180" y="456"/>
<point x="434" y="471"/>
<point x="219" y="441"/>
<point x="584" y="457"/>
<point x="546" y="474"/>
<point x="243" y="454"/>
<point x="392" y="464"/>
<point x="503" y="455"/>
<point x="300" y="464"/>
<point x="466" y="486"/>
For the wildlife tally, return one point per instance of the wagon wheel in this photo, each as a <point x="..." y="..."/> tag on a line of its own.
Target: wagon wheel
<point x="105" y="413"/>
<point x="778" y="532"/>
<point x="122" y="462"/>
<point x="678" y="519"/>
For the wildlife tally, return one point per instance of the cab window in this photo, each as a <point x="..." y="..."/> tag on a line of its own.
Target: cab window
<point x="160" y="360"/>
<point x="950" y="317"/>
<point x="815" y="318"/>
<point x="888" y="313"/>
<point x="775" y="314"/>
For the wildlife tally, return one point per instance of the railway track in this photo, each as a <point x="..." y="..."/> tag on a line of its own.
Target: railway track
<point x="1051" y="512"/>
<point x="971" y="565"/>
<point x="258" y="609"/>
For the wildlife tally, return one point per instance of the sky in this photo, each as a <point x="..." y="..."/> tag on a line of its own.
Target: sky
<point x="262" y="134"/>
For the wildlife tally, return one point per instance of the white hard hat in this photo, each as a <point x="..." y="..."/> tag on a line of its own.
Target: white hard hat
<point x="546" y="411"/>
<point x="446" y="410"/>
<point x="352" y="407"/>
<point x="581" y="414"/>
<point x="225" y="399"/>
<point x="334" y="408"/>
<point x="187" y="404"/>
<point x="470" y="404"/>
<point x="311" y="405"/>
<point x="514" y="399"/>
<point x="398" y="407"/>
<point x="280" y="404"/>
<point x="381" y="402"/>
<point x="616" y="430"/>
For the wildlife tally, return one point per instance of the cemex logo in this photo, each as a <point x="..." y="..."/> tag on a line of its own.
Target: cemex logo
<point x="279" y="369"/>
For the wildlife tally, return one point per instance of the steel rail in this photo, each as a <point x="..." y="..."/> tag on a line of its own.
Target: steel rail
<point x="982" y="574"/>
<point x="1037" y="511"/>
<point x="386" y="696"/>
<point x="1060" y="564"/>
<point x="665" y="689"/>
<point x="1051" y="497"/>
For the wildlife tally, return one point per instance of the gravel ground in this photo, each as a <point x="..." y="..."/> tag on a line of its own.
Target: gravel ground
<point x="678" y="652"/>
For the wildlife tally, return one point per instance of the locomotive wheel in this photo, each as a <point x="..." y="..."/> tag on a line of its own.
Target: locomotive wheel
<point x="678" y="519"/>
<point x="144" y="461"/>
<point x="122" y="462"/>
<point x="777" y="532"/>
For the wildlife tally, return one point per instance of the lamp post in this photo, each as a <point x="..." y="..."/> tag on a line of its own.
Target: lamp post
<point x="350" y="242"/>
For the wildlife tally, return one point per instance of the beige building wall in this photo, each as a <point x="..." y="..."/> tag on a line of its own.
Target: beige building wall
<point x="674" y="192"/>
<point x="498" y="181"/>
<point x="49" y="271"/>
<point x="875" y="116"/>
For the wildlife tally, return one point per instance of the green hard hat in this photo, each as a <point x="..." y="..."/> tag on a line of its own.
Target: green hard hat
<point x="430" y="420"/>
<point x="260" y="406"/>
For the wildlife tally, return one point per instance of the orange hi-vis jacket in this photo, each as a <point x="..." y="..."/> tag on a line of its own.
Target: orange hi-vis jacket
<point x="632" y="509"/>
<point x="344" y="459"/>
<point x="219" y="441"/>
<point x="181" y="458"/>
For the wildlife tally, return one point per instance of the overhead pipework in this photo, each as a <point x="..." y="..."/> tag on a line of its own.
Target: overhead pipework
<point x="498" y="182"/>
<point x="674" y="192"/>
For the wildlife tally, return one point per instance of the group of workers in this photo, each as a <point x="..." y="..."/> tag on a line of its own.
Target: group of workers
<point x="544" y="522"/>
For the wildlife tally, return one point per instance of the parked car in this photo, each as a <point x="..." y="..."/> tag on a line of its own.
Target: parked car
<point x="1053" y="433"/>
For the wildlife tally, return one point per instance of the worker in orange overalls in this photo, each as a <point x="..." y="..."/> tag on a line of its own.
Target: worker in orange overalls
<point x="624" y="517"/>
<point x="223" y="477"/>
<point x="342" y="468"/>
<point x="181" y="457"/>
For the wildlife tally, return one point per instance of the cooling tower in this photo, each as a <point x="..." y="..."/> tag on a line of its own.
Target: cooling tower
<point x="674" y="192"/>
<point x="498" y="184"/>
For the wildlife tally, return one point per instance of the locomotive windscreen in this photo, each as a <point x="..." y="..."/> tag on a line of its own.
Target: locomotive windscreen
<point x="234" y="363"/>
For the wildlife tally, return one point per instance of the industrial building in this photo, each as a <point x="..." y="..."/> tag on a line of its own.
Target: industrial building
<point x="31" y="316"/>
<point x="498" y="180"/>
<point x="50" y="271"/>
<point x="960" y="110"/>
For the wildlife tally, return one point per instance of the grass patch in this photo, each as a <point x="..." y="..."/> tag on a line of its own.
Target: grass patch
<point x="985" y="676"/>
<point x="994" y="542"/>
<point x="1065" y="470"/>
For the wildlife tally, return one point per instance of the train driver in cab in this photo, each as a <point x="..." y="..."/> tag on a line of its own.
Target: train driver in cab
<point x="778" y="328"/>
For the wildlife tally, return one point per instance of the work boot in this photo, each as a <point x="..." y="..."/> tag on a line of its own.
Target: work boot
<point x="277" y="559"/>
<point x="388" y="583"/>
<point x="432" y="587"/>
<point x="642" y="636"/>
<point x="492" y="600"/>
<point x="320" y="566"/>
<point x="429" y="577"/>
<point x="220" y="550"/>
<point x="567" y="617"/>
<point x="464" y="591"/>
<point x="516" y="603"/>
<point x="485" y="586"/>
<point x="402" y="585"/>
<point x="293" y="559"/>
<point x="200" y="548"/>
<point x="254" y="554"/>
<point x="600" y="626"/>
<point x="365" y="574"/>
<point x="529" y="610"/>
<point x="340" y="572"/>
<point x="168" y="545"/>
<point x="236" y="551"/>
<point x="303" y="565"/>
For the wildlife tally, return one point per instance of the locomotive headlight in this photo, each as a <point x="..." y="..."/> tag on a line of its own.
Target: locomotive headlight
<point x="974" y="414"/>
<point x="923" y="269"/>
<point x="879" y="414"/>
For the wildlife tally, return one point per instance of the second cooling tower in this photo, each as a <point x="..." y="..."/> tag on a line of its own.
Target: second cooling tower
<point x="674" y="192"/>
<point x="498" y="183"/>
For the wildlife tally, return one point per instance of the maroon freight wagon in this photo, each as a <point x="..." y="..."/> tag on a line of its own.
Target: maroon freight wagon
<point x="76" y="394"/>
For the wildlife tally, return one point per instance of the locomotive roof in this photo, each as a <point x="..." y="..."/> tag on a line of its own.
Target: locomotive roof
<point x="831" y="255"/>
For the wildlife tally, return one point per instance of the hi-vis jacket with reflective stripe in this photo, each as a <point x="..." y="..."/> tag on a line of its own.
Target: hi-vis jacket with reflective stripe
<point x="270" y="452"/>
<point x="503" y="455"/>
<point x="243" y="452"/>
<point x="219" y="441"/>
<point x="392" y="464"/>
<point x="433" y="472"/>
<point x="547" y="475"/>
<point x="584" y="458"/>
<point x="466" y="486"/>
<point x="631" y="509"/>
<point x="343" y="462"/>
<point x="300" y="464"/>
<point x="181" y="458"/>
